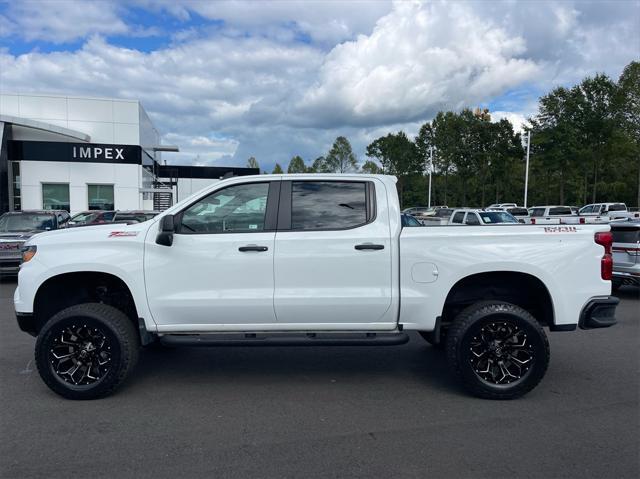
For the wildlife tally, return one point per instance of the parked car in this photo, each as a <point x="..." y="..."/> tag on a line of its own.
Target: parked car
<point x="626" y="253"/>
<point x="17" y="227"/>
<point x="408" y="220"/>
<point x="422" y="212"/>
<point x="325" y="263"/>
<point x="481" y="217"/>
<point x="439" y="218"/>
<point x="134" y="216"/>
<point x="550" y="214"/>
<point x="521" y="214"/>
<point x="613" y="211"/>
<point x="87" y="218"/>
<point x="502" y="205"/>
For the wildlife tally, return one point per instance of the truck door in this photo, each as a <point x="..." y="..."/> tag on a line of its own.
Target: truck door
<point x="332" y="264"/>
<point x="218" y="272"/>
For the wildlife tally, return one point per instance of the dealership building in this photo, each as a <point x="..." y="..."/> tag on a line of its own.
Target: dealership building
<point x="77" y="154"/>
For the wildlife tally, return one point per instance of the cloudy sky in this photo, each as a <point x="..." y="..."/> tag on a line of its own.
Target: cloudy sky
<point x="227" y="80"/>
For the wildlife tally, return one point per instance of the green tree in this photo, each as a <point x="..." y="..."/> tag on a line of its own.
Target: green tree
<point x="628" y="105"/>
<point x="341" y="158"/>
<point x="296" y="165"/>
<point x="371" y="168"/>
<point x="398" y="155"/>
<point x="252" y="163"/>
<point x="319" y="165"/>
<point x="277" y="170"/>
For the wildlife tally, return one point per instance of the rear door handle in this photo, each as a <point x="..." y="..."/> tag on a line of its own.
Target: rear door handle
<point x="253" y="247"/>
<point x="369" y="246"/>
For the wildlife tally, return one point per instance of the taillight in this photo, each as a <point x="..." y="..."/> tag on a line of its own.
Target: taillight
<point x="533" y="221"/>
<point x="605" y="238"/>
<point x="582" y="221"/>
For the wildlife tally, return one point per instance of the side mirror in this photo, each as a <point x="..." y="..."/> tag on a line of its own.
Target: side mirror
<point x="165" y="233"/>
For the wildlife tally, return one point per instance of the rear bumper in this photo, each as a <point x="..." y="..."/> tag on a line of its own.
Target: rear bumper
<point x="26" y="323"/>
<point x="627" y="277"/>
<point x="599" y="313"/>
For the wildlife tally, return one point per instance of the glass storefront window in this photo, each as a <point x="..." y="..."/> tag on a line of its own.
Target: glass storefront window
<point x="100" y="197"/>
<point x="15" y="186"/>
<point x="55" y="196"/>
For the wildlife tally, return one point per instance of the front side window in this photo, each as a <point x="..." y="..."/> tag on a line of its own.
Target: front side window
<point x="55" y="196"/>
<point x="585" y="209"/>
<point x="472" y="219"/>
<point x="321" y="205"/>
<point x="236" y="209"/>
<point x="100" y="197"/>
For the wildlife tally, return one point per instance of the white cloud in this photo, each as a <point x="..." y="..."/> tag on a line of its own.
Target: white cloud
<point x="419" y="58"/>
<point x="61" y="21"/>
<point x="252" y="87"/>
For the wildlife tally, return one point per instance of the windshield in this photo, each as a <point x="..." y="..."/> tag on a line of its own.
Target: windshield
<point x="84" y="217"/>
<point x="26" y="222"/>
<point x="489" y="217"/>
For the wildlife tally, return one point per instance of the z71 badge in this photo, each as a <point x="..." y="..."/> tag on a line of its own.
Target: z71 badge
<point x="560" y="229"/>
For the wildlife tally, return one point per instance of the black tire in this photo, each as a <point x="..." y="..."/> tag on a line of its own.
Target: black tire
<point x="429" y="337"/>
<point x="471" y="350"/>
<point x="72" y="332"/>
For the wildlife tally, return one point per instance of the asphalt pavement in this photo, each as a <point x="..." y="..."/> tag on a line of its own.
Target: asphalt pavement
<point x="328" y="412"/>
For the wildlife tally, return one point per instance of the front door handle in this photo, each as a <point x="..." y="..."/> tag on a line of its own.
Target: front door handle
<point x="369" y="246"/>
<point x="253" y="247"/>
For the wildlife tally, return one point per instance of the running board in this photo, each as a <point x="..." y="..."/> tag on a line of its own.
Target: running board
<point x="285" y="339"/>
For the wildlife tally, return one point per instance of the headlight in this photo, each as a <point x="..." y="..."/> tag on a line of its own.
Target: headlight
<point x="28" y="252"/>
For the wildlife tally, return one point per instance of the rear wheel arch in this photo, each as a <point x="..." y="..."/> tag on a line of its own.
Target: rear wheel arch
<point x="522" y="289"/>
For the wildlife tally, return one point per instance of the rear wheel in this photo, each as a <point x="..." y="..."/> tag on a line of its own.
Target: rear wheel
<point x="498" y="350"/>
<point x="86" y="351"/>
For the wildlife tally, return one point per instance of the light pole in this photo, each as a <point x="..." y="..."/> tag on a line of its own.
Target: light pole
<point x="430" y="170"/>
<point x="526" y="170"/>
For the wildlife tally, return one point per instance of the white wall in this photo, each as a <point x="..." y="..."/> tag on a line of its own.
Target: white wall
<point x="126" y="179"/>
<point x="106" y="120"/>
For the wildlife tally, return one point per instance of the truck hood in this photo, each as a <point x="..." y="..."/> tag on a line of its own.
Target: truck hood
<point x="19" y="235"/>
<point x="90" y="233"/>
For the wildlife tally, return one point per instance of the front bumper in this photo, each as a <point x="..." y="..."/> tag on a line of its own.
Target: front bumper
<point x="26" y="322"/>
<point x="599" y="313"/>
<point x="10" y="266"/>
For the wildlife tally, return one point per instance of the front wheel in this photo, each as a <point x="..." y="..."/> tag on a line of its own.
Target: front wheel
<point x="86" y="351"/>
<point x="498" y="350"/>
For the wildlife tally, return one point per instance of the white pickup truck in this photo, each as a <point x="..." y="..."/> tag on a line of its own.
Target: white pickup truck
<point x="277" y="260"/>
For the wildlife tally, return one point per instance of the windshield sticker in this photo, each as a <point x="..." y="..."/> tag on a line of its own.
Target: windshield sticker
<point x="560" y="229"/>
<point x="120" y="234"/>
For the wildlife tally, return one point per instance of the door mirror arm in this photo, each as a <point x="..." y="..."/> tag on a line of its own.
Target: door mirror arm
<point x="166" y="230"/>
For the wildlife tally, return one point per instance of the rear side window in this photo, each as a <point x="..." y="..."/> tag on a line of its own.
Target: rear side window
<point x="618" y="207"/>
<point x="328" y="205"/>
<point x="561" y="210"/>
<point x="458" y="217"/>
